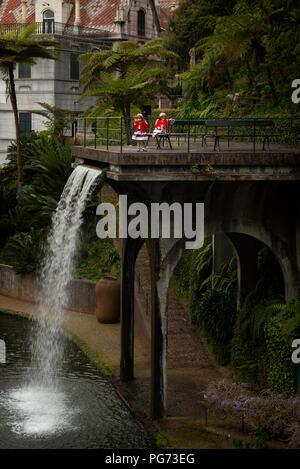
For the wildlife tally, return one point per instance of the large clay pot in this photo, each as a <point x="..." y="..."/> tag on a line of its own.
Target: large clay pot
<point x="108" y="300"/>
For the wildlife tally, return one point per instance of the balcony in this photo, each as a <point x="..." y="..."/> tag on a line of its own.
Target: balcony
<point x="59" y="29"/>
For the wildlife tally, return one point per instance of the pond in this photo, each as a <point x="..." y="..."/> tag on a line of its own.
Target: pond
<point x="82" y="409"/>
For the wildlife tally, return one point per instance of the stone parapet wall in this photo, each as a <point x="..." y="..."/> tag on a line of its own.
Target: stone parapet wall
<point x="27" y="287"/>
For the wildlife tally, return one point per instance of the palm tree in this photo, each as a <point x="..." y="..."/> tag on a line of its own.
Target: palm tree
<point x="22" y="46"/>
<point x="58" y="119"/>
<point x="129" y="75"/>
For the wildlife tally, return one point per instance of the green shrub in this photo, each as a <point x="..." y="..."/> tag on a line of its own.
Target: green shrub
<point x="261" y="346"/>
<point x="249" y="357"/>
<point x="182" y="276"/>
<point x="99" y="257"/>
<point x="248" y="352"/>
<point x="212" y="311"/>
<point x="215" y="315"/>
<point x="243" y="358"/>
<point x="46" y="168"/>
<point x="24" y="251"/>
<point x="281" y="370"/>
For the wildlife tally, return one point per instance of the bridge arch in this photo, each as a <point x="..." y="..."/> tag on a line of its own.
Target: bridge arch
<point x="263" y="212"/>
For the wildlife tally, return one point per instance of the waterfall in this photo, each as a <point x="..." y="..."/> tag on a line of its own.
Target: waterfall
<point x="56" y="273"/>
<point x="41" y="403"/>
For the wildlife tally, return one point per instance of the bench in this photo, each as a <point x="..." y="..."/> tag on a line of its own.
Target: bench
<point x="264" y="126"/>
<point x="187" y="133"/>
<point x="258" y="128"/>
<point x="183" y="128"/>
<point x="159" y="138"/>
<point x="190" y="131"/>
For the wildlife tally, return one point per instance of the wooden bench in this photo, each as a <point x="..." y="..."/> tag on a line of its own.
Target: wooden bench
<point x="264" y="126"/>
<point x="188" y="128"/>
<point x="185" y="130"/>
<point x="258" y="128"/>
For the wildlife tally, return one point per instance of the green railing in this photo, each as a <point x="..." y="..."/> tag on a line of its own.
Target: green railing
<point x="115" y="133"/>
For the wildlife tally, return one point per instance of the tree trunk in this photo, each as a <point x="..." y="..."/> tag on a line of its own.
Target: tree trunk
<point x="250" y="74"/>
<point x="229" y="78"/>
<point x="272" y="86"/>
<point x="13" y="99"/>
<point x="126" y="114"/>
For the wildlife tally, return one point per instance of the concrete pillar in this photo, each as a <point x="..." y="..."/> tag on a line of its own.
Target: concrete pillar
<point x="159" y="346"/>
<point x="24" y="11"/>
<point x="130" y="249"/>
<point x="164" y="255"/>
<point x="77" y="20"/>
<point x="246" y="248"/>
<point x="222" y="251"/>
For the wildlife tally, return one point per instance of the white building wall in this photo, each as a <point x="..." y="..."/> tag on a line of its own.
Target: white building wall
<point x="62" y="10"/>
<point x="30" y="91"/>
<point x="50" y="82"/>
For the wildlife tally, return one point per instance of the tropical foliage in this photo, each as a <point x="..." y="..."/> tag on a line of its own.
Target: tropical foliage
<point x="24" y="250"/>
<point x="192" y="21"/>
<point x="26" y="216"/>
<point x="257" y="338"/>
<point x="247" y="55"/>
<point x="57" y="119"/>
<point x="126" y="76"/>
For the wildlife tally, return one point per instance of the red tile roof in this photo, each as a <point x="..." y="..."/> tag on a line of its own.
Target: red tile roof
<point x="93" y="13"/>
<point x="11" y="12"/>
<point x="97" y="13"/>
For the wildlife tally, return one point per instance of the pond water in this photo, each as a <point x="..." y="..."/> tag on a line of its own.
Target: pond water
<point x="82" y="409"/>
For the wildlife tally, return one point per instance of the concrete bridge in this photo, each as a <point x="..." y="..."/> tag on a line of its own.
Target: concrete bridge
<point x="250" y="199"/>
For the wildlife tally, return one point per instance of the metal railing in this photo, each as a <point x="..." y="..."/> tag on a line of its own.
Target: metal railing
<point x="115" y="133"/>
<point x="52" y="27"/>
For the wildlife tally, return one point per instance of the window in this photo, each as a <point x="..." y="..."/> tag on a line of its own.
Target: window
<point x="25" y="122"/>
<point x="24" y="71"/>
<point x="74" y="66"/>
<point x="48" y="22"/>
<point x="141" y="23"/>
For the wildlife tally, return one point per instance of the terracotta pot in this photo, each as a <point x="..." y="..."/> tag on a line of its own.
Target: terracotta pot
<point x="108" y="300"/>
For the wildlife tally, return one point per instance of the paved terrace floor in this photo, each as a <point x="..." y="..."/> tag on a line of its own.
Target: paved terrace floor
<point x="238" y="162"/>
<point x="196" y="146"/>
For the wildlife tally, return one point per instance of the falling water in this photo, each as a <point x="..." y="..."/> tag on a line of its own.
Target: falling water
<point x="41" y="402"/>
<point x="57" y="270"/>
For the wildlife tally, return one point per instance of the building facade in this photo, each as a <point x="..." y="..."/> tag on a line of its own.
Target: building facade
<point x="80" y="26"/>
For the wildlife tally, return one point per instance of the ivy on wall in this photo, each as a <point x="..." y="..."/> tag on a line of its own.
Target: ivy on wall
<point x="281" y="370"/>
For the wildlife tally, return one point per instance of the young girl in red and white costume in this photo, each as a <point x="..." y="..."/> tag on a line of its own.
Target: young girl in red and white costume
<point x="140" y="131"/>
<point x="161" y="124"/>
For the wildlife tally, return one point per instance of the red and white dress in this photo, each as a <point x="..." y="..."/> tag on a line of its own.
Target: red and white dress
<point x="161" y="126"/>
<point x="140" y="132"/>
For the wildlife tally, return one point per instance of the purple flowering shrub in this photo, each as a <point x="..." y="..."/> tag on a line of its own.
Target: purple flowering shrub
<point x="278" y="414"/>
